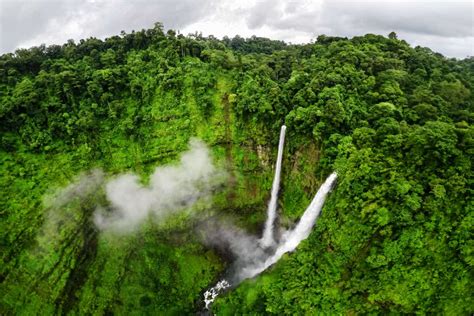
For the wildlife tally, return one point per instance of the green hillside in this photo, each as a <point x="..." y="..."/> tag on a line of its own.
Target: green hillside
<point x="395" y="236"/>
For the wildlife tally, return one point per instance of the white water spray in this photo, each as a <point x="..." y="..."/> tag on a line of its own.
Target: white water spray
<point x="267" y="238"/>
<point x="211" y="294"/>
<point x="289" y="242"/>
<point x="292" y="238"/>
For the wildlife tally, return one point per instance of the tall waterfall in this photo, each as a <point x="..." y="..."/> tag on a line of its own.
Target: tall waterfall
<point x="292" y="238"/>
<point x="289" y="242"/>
<point x="267" y="238"/>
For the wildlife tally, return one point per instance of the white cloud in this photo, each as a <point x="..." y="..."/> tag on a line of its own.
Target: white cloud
<point x="172" y="188"/>
<point x="445" y="26"/>
<point x="27" y="22"/>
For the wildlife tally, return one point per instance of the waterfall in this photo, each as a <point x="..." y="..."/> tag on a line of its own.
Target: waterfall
<point x="267" y="238"/>
<point x="289" y="242"/>
<point x="261" y="257"/>
<point x="292" y="238"/>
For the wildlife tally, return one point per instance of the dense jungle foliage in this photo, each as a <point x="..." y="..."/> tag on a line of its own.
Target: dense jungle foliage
<point x="395" y="122"/>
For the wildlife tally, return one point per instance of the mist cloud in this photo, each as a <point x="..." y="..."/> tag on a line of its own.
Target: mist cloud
<point x="84" y="185"/>
<point x="244" y="248"/>
<point x="122" y="203"/>
<point x="70" y="208"/>
<point x="171" y="189"/>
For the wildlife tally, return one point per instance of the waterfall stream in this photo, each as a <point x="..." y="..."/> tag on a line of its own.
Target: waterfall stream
<point x="268" y="238"/>
<point x="292" y="238"/>
<point x="266" y="257"/>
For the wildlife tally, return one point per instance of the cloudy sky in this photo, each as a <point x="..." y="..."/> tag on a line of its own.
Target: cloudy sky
<point x="443" y="25"/>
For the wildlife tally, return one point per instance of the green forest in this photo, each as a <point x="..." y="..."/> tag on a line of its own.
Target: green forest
<point x="396" y="234"/>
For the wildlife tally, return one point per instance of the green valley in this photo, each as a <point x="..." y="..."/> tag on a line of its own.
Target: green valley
<point x="396" y="235"/>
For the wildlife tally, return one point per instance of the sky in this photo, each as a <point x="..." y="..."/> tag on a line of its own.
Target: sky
<point x="444" y="26"/>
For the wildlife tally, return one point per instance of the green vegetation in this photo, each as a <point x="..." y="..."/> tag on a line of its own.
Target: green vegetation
<point x="395" y="236"/>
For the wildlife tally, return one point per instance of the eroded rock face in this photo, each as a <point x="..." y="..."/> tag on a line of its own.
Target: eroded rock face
<point x="263" y="153"/>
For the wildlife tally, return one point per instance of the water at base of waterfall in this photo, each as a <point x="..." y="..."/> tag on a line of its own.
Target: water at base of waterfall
<point x="211" y="294"/>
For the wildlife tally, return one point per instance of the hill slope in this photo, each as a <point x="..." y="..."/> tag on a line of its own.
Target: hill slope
<point x="394" y="121"/>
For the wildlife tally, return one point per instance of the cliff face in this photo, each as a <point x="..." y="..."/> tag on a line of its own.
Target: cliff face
<point x="57" y="260"/>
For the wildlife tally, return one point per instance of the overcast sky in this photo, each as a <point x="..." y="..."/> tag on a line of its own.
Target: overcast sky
<point x="444" y="26"/>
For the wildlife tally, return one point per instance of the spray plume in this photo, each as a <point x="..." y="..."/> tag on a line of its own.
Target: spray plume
<point x="172" y="188"/>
